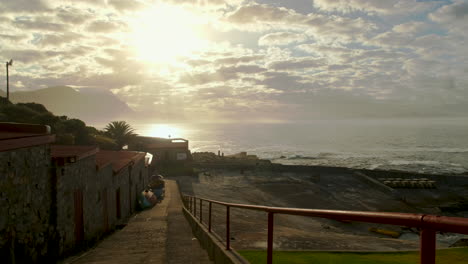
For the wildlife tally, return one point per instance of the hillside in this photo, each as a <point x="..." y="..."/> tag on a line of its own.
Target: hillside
<point x="90" y="105"/>
<point x="68" y="131"/>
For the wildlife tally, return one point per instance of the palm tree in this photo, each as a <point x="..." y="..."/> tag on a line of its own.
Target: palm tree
<point x="121" y="132"/>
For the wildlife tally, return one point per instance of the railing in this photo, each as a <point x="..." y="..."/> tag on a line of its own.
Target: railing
<point x="428" y="224"/>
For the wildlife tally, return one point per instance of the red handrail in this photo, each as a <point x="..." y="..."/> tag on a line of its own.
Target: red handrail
<point x="428" y="224"/>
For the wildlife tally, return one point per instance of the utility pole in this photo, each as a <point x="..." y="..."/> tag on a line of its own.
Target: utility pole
<point x="8" y="63"/>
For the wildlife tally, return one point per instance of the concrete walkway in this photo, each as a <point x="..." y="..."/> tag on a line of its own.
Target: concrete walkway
<point x="158" y="235"/>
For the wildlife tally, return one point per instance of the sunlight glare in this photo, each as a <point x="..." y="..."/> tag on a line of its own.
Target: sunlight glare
<point x="166" y="32"/>
<point x="164" y="131"/>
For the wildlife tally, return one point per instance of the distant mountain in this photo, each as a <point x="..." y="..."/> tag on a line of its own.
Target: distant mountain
<point x="90" y="105"/>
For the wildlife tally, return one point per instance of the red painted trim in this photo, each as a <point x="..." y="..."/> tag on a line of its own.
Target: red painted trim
<point x="270" y="239"/>
<point x="228" y="229"/>
<point x="427" y="245"/>
<point x="209" y="218"/>
<point x="87" y="154"/>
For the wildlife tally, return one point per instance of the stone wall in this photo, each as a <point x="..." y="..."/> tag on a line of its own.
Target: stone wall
<point x="72" y="179"/>
<point x="126" y="184"/>
<point x="51" y="209"/>
<point x="107" y="218"/>
<point x="120" y="183"/>
<point x="100" y="190"/>
<point x="140" y="179"/>
<point x="25" y="203"/>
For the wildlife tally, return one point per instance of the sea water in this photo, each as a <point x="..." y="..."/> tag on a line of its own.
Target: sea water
<point x="429" y="145"/>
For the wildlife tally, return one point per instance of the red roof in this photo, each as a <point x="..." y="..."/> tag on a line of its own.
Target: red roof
<point x="118" y="159"/>
<point x="78" y="152"/>
<point x="16" y="135"/>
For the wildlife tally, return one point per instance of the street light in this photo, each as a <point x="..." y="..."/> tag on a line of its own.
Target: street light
<point x="8" y="63"/>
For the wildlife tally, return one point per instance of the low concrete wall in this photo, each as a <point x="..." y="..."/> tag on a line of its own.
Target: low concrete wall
<point x="213" y="246"/>
<point x="382" y="187"/>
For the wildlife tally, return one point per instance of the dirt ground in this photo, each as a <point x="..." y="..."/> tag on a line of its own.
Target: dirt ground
<point x="340" y="191"/>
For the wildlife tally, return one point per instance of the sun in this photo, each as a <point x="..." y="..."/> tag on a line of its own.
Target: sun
<point x="165" y="32"/>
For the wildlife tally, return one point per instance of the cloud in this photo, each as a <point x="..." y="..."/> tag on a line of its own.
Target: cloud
<point x="411" y="27"/>
<point x="13" y="38"/>
<point x="222" y="74"/>
<point x="454" y="17"/>
<point x="241" y="59"/>
<point x="102" y="26"/>
<point x="206" y="3"/>
<point x="81" y="3"/>
<point x="261" y="17"/>
<point x="254" y="13"/>
<point x="282" y="81"/>
<point x="225" y="61"/>
<point x="41" y="23"/>
<point x="24" y="6"/>
<point x="59" y="39"/>
<point x="72" y="15"/>
<point x="281" y="38"/>
<point x="297" y="64"/>
<point x="29" y="56"/>
<point x="374" y="7"/>
<point x="338" y="67"/>
<point x="328" y="51"/>
<point x="458" y="10"/>
<point x="296" y="59"/>
<point x="126" y="5"/>
<point x="199" y="62"/>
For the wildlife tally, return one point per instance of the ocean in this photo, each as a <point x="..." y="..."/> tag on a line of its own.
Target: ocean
<point x="427" y="145"/>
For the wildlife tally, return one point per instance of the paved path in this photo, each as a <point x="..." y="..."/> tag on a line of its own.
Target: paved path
<point x="158" y="235"/>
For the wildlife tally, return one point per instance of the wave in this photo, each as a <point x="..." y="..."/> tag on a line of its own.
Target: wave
<point x="426" y="149"/>
<point x="413" y="162"/>
<point x="299" y="157"/>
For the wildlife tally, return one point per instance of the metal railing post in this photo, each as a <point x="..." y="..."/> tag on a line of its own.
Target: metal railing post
<point x="228" y="227"/>
<point x="190" y="204"/>
<point x="201" y="211"/>
<point x="209" y="217"/>
<point x="427" y="243"/>
<point x="270" y="239"/>
<point x="195" y="207"/>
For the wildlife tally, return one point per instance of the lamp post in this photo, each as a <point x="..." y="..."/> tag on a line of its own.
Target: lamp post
<point x="8" y="63"/>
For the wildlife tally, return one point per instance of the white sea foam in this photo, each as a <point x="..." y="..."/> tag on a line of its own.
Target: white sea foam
<point x="408" y="162"/>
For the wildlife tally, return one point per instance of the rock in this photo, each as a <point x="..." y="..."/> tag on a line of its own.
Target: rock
<point x="462" y="242"/>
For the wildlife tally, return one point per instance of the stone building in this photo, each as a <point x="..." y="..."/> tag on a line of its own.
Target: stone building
<point x="165" y="150"/>
<point x="77" y="198"/>
<point x="129" y="177"/>
<point x="55" y="199"/>
<point x="25" y="192"/>
<point x="96" y="191"/>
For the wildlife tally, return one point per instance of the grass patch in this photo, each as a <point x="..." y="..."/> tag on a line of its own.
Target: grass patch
<point x="452" y="256"/>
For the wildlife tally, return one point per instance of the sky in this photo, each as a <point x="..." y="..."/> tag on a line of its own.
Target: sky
<point x="260" y="61"/>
